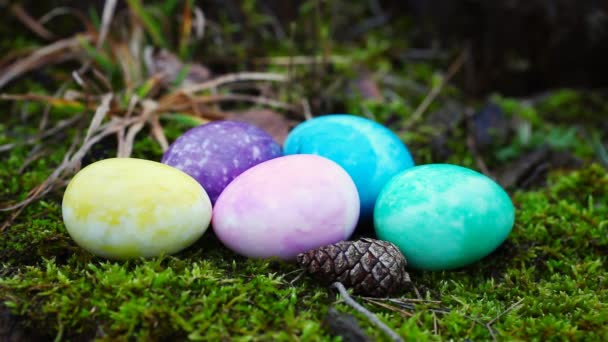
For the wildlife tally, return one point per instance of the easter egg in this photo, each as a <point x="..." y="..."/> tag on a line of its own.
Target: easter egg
<point x="286" y="206"/>
<point x="443" y="216"/>
<point x="216" y="152"/>
<point x="368" y="151"/>
<point x="122" y="208"/>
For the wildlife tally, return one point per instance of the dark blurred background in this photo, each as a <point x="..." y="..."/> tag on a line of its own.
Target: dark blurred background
<point x="517" y="46"/>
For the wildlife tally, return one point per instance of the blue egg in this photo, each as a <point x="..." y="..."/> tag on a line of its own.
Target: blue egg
<point x="369" y="152"/>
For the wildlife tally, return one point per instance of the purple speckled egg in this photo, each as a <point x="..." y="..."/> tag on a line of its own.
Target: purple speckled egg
<point x="216" y="152"/>
<point x="286" y="206"/>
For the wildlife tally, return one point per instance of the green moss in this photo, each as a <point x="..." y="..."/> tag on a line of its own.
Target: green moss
<point x="555" y="260"/>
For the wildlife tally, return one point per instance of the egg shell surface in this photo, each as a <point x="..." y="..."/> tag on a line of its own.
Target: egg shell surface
<point x="286" y="206"/>
<point x="443" y="216"/>
<point x="121" y="208"/>
<point x="216" y="152"/>
<point x="368" y="151"/>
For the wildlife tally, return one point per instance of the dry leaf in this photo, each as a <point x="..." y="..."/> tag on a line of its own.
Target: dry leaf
<point x="169" y="65"/>
<point x="368" y="87"/>
<point x="272" y="122"/>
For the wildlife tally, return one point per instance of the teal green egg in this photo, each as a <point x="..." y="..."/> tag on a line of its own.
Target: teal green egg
<point x="443" y="216"/>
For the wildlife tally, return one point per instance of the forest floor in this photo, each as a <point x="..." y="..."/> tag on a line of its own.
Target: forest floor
<point x="547" y="281"/>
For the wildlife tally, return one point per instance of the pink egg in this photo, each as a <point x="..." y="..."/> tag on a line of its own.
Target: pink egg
<point x="286" y="206"/>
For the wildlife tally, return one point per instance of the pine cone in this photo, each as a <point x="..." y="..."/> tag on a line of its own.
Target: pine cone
<point x="368" y="266"/>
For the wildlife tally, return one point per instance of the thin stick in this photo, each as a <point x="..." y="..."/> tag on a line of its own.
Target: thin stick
<point x="369" y="315"/>
<point x="171" y="104"/>
<point x="31" y="23"/>
<point x="301" y="60"/>
<point x="436" y="90"/>
<point x="230" y="78"/>
<point x="34" y="154"/>
<point x="55" y="12"/>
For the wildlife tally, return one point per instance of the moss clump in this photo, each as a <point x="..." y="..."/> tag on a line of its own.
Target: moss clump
<point x="166" y="298"/>
<point x="555" y="261"/>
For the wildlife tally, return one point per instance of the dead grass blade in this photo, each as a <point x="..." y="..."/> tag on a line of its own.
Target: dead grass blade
<point x="56" y="52"/>
<point x="231" y="78"/>
<point x="34" y="155"/>
<point x="186" y="29"/>
<point x="148" y="22"/>
<point x="149" y="108"/>
<point x="71" y="161"/>
<point x="57" y="102"/>
<point x="199" y="23"/>
<point x="34" y="25"/>
<point x="201" y="100"/>
<point x="121" y="149"/>
<point x="389" y="307"/>
<point x="302" y="60"/>
<point x="60" y="126"/>
<point x="158" y="133"/>
<point x="106" y="20"/>
<point x="103" y="79"/>
<point x="99" y="115"/>
<point x="436" y="90"/>
<point x="12" y="56"/>
<point x="58" y="11"/>
<point x="306" y="109"/>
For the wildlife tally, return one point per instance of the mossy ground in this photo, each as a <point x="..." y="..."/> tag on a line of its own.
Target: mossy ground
<point x="553" y="265"/>
<point x="554" y="262"/>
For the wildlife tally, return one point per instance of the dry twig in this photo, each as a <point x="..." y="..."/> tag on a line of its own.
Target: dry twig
<point x="369" y="315"/>
<point x="149" y="107"/>
<point x="436" y="90"/>
<point x="33" y="24"/>
<point x="230" y="78"/>
<point x="158" y="133"/>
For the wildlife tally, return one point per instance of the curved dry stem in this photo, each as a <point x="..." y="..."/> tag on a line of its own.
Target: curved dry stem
<point x="368" y="314"/>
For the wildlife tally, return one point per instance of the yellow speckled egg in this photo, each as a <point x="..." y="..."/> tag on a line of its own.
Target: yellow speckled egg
<point x="121" y="208"/>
